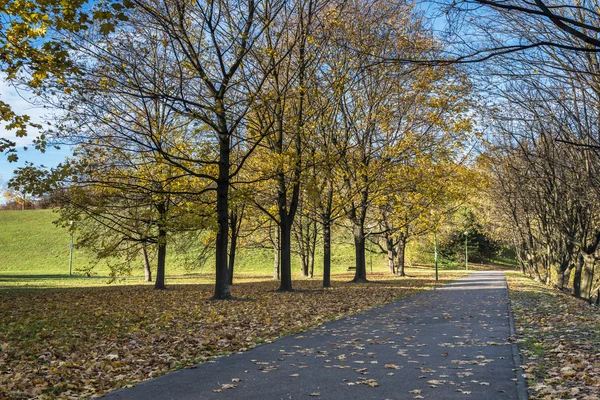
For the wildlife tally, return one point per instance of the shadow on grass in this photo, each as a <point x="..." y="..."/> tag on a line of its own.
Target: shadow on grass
<point x="8" y="278"/>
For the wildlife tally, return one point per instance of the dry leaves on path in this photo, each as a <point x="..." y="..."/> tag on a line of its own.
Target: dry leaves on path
<point x="84" y="342"/>
<point x="559" y="338"/>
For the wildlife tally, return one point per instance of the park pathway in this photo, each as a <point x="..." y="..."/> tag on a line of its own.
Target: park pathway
<point x="449" y="343"/>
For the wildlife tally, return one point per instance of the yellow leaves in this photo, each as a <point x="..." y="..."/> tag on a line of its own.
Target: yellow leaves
<point x="270" y="52"/>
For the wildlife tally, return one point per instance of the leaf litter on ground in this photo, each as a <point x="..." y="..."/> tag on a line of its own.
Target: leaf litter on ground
<point x="559" y="337"/>
<point x="85" y="342"/>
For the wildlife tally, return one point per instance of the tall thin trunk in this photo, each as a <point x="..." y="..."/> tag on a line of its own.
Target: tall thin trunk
<point x="286" y="256"/>
<point x="147" y="270"/>
<point x="162" y="256"/>
<point x="313" y="248"/>
<point x="326" y="253"/>
<point x="304" y="248"/>
<point x="359" y="248"/>
<point x="311" y="258"/>
<point x="306" y="236"/>
<point x="277" y="256"/>
<point x="578" y="275"/>
<point x="233" y="220"/>
<point x="221" y="267"/>
<point x="286" y="218"/>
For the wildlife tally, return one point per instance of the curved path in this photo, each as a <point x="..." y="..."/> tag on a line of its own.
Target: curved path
<point x="449" y="343"/>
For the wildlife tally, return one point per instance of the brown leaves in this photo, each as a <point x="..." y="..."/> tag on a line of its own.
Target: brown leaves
<point x="84" y="342"/>
<point x="225" y="386"/>
<point x="368" y="382"/>
<point x="558" y="341"/>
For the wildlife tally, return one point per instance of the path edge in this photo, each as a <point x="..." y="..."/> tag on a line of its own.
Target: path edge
<point x="522" y="393"/>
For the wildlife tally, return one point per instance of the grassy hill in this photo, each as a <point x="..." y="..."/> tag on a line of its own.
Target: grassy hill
<point x="33" y="248"/>
<point x="30" y="244"/>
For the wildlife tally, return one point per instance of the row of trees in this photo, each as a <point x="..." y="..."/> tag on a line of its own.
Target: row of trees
<point x="546" y="115"/>
<point x="274" y="114"/>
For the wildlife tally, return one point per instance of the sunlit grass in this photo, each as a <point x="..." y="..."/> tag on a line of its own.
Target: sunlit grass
<point x="16" y="282"/>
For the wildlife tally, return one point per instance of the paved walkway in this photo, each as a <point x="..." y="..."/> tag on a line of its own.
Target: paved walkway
<point x="449" y="343"/>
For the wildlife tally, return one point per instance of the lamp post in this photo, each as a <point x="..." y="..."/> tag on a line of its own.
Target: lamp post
<point x="71" y="223"/>
<point x="466" y="251"/>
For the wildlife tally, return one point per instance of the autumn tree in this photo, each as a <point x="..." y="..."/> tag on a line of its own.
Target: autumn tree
<point x="33" y="49"/>
<point x="548" y="187"/>
<point x="210" y="82"/>
<point x="119" y="180"/>
<point x="385" y="110"/>
<point x="543" y="109"/>
<point x="288" y="53"/>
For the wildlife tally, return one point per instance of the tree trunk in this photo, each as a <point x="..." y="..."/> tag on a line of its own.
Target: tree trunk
<point x="359" y="247"/>
<point x="302" y="240"/>
<point x="305" y="260"/>
<point x="286" y="256"/>
<point x="588" y="275"/>
<point x="390" y="253"/>
<point x="311" y="258"/>
<point x="147" y="270"/>
<point x="307" y="240"/>
<point x="162" y="255"/>
<point x="326" y="253"/>
<point x="577" y="276"/>
<point x="277" y="257"/>
<point x="401" y="257"/>
<point x="519" y="250"/>
<point x="233" y="227"/>
<point x="221" y="267"/>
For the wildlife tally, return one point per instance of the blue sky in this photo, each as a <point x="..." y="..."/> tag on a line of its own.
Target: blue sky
<point x="19" y="104"/>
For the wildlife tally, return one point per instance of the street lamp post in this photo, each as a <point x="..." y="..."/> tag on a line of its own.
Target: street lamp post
<point x="466" y="251"/>
<point x="71" y="223"/>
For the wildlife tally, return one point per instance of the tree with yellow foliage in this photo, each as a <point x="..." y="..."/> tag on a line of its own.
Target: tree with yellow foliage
<point x="33" y="49"/>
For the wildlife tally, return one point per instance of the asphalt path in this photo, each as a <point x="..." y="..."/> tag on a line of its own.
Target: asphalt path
<point x="450" y="343"/>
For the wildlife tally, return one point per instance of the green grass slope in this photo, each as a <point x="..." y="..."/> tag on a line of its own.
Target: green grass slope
<point x="30" y="244"/>
<point x="35" y="252"/>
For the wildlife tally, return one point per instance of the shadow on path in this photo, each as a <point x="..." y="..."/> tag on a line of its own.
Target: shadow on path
<point x="449" y="343"/>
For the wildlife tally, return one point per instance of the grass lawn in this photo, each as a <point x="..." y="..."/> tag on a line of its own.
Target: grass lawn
<point x="30" y="244"/>
<point x="559" y="338"/>
<point x="35" y="253"/>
